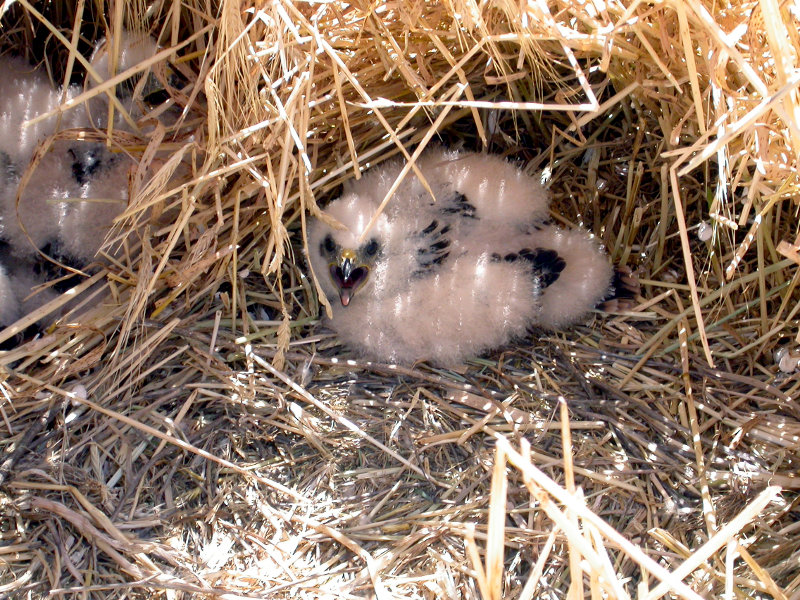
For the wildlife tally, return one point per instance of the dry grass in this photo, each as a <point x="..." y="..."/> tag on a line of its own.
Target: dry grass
<point x="195" y="432"/>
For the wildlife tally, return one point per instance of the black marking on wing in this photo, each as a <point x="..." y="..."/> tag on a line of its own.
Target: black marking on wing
<point x="625" y="285"/>
<point x="460" y="206"/>
<point x="86" y="163"/>
<point x="623" y="291"/>
<point x="547" y="265"/>
<point x="7" y="167"/>
<point x="51" y="271"/>
<point x="154" y="92"/>
<point x="537" y="225"/>
<point x="433" y="248"/>
<point x="541" y="225"/>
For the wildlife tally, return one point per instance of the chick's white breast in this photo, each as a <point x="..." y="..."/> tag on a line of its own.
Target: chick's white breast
<point x="446" y="317"/>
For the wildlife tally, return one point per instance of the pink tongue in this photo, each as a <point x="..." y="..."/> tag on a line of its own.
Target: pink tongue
<point x="344" y="296"/>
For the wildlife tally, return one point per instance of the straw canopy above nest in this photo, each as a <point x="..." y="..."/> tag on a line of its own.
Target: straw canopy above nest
<point x="179" y="421"/>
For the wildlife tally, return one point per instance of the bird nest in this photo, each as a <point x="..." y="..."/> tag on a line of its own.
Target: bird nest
<point x="192" y="429"/>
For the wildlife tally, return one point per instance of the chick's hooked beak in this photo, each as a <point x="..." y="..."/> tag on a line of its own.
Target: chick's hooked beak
<point x="347" y="277"/>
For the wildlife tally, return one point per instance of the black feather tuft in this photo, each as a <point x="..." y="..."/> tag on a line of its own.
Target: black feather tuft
<point x="433" y="248"/>
<point x="430" y="228"/>
<point x="547" y="265"/>
<point x="8" y="170"/>
<point x="460" y="206"/>
<point x="86" y="163"/>
<point x="625" y="288"/>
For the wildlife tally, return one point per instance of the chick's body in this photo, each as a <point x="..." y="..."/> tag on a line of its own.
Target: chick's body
<point x="63" y="200"/>
<point x="26" y="95"/>
<point x="449" y="278"/>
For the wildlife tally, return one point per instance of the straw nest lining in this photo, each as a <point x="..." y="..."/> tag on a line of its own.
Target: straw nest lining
<point x="195" y="433"/>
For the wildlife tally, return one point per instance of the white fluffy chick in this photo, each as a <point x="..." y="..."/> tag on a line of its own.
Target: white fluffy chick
<point x="450" y="277"/>
<point x="50" y="209"/>
<point x="76" y="189"/>
<point x="102" y="175"/>
<point x="26" y="94"/>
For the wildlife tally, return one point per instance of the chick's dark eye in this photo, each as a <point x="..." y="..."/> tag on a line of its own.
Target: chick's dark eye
<point x="328" y="245"/>
<point x="372" y="247"/>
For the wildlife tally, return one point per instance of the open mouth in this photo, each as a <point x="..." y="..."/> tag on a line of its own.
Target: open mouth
<point x="348" y="284"/>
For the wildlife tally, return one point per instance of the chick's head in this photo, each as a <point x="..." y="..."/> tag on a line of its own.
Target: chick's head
<point x="347" y="259"/>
